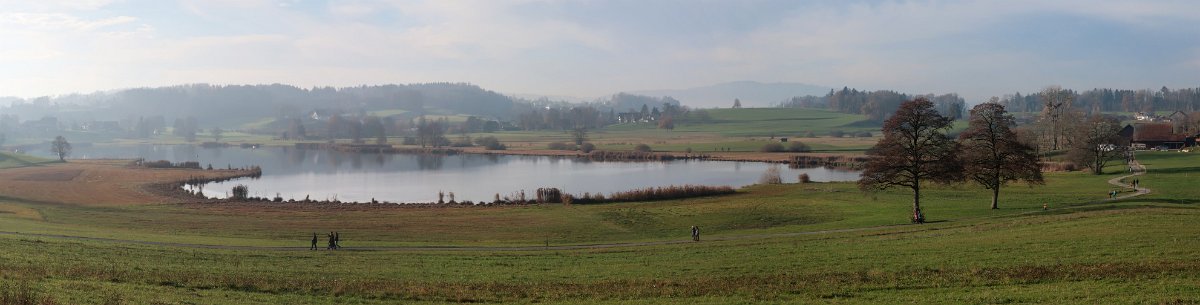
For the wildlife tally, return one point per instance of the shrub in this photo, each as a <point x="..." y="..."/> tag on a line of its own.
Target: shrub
<point x="772" y="147"/>
<point x="168" y="164"/>
<point x="241" y="192"/>
<point x="804" y="178"/>
<point x="771" y="176"/>
<point x="549" y="195"/>
<point x="642" y="148"/>
<point x="560" y="146"/>
<point x="587" y="147"/>
<point x="798" y="147"/>
<point x="490" y="143"/>
<point x="837" y="133"/>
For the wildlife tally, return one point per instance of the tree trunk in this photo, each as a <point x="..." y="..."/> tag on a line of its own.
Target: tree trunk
<point x="917" y="205"/>
<point x="995" y="197"/>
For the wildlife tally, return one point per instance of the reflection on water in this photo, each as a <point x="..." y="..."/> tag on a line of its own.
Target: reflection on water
<point x="324" y="174"/>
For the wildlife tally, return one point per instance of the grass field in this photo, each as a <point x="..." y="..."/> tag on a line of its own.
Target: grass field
<point x="820" y="243"/>
<point x="812" y="243"/>
<point x="11" y="160"/>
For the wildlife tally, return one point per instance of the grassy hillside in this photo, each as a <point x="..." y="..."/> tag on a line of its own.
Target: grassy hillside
<point x="766" y="244"/>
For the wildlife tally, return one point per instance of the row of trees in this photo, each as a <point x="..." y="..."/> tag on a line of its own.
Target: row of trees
<point x="1111" y="100"/>
<point x="1062" y="123"/>
<point x="876" y="105"/>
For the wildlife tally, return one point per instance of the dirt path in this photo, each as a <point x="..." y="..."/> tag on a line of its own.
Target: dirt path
<point x="1138" y="191"/>
<point x="1138" y="170"/>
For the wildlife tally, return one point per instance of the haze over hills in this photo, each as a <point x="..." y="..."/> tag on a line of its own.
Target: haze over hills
<point x="751" y="93"/>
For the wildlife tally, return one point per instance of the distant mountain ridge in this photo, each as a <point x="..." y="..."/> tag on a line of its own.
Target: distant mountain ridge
<point x="751" y="93"/>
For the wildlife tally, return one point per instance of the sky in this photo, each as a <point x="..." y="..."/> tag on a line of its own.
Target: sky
<point x="592" y="48"/>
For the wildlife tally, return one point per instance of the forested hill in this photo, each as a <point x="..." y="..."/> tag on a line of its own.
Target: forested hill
<point x="234" y="103"/>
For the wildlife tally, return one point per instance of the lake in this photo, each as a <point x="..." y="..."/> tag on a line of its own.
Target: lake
<point x="325" y="174"/>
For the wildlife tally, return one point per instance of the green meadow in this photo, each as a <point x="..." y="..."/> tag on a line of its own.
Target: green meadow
<point x="793" y="243"/>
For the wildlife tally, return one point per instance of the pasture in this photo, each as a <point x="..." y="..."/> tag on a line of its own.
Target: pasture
<point x="794" y="243"/>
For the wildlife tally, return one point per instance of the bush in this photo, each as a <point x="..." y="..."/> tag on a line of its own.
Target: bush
<point x="771" y="176"/>
<point x="798" y="147"/>
<point x="560" y="146"/>
<point x="837" y="133"/>
<point x="772" y="147"/>
<point x="642" y="148"/>
<point x="548" y="195"/>
<point x="804" y="178"/>
<point x="241" y="192"/>
<point x="491" y="143"/>
<point x="587" y="147"/>
<point x="863" y="134"/>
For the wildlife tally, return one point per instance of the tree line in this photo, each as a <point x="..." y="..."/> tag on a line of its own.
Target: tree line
<point x="876" y="105"/>
<point x="1111" y="100"/>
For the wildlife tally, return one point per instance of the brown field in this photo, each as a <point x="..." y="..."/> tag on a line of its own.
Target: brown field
<point x="95" y="182"/>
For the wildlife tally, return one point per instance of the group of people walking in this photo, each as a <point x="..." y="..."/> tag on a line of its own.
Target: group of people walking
<point x="333" y="237"/>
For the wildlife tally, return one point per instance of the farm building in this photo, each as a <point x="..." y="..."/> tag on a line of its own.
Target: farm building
<point x="1153" y="135"/>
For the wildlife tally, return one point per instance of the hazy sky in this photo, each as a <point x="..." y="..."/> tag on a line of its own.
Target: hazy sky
<point x="594" y="48"/>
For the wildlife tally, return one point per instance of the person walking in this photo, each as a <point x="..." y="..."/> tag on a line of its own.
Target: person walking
<point x="695" y="233"/>
<point x="330" y="246"/>
<point x="337" y="238"/>
<point x="314" y="242"/>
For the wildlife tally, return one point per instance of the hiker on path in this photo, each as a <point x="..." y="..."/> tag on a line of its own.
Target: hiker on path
<point x="695" y="233"/>
<point x="336" y="239"/>
<point x="330" y="245"/>
<point x="314" y="242"/>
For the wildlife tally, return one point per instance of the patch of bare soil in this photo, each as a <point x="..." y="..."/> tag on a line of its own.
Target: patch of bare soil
<point x="64" y="174"/>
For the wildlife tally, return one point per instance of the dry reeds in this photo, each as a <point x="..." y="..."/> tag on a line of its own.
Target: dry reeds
<point x="806" y="161"/>
<point x="656" y="193"/>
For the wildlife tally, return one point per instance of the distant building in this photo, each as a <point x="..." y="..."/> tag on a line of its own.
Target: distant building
<point x="633" y="117"/>
<point x="1155" y="135"/>
<point x="102" y="126"/>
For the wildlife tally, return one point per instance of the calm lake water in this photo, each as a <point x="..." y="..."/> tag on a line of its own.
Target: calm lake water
<point x="323" y="174"/>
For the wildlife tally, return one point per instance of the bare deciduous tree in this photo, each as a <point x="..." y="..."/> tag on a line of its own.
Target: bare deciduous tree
<point x="61" y="147"/>
<point x="992" y="154"/>
<point x="1055" y="101"/>
<point x="914" y="149"/>
<point x="1098" y="140"/>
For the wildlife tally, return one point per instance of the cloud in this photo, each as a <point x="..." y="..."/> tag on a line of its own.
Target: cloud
<point x="57" y="21"/>
<point x="55" y="5"/>
<point x="592" y="48"/>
